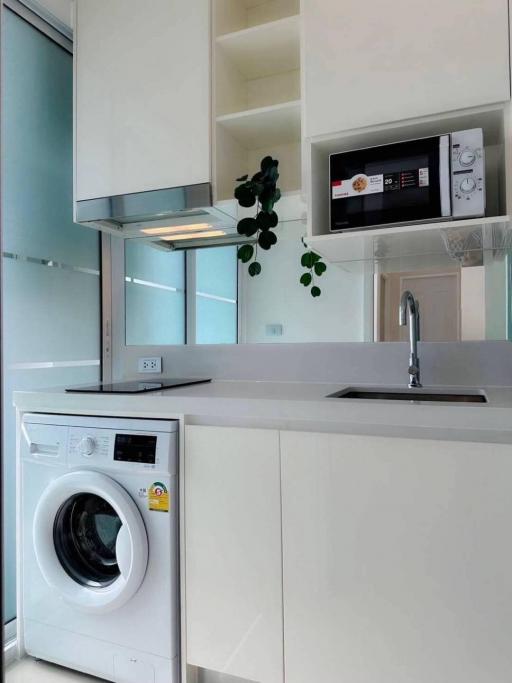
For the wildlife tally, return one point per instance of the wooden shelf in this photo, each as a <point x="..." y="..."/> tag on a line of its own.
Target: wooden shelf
<point x="275" y="125"/>
<point x="264" y="50"/>
<point x="447" y="238"/>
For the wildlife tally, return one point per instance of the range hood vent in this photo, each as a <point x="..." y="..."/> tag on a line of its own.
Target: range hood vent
<point x="185" y="213"/>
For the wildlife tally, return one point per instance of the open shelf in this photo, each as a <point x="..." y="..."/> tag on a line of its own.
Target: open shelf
<point x="264" y="50"/>
<point x="236" y="15"/>
<point x="257" y="91"/>
<point x="275" y="125"/>
<point x="457" y="240"/>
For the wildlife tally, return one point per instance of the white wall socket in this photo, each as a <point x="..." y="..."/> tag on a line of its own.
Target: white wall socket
<point x="153" y="365"/>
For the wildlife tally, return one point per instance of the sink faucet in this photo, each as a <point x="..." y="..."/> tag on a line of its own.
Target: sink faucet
<point x="409" y="303"/>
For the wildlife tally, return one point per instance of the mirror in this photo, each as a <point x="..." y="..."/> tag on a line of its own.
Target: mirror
<point x="206" y="296"/>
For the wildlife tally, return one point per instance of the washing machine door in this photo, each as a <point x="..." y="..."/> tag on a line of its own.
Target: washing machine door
<point x="90" y="541"/>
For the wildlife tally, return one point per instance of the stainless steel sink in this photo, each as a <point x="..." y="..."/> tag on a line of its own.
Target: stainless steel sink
<point x="425" y="394"/>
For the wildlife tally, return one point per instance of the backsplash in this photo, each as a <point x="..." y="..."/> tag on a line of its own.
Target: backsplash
<point x="467" y="363"/>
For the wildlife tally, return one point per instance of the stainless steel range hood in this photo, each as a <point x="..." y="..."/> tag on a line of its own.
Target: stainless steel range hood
<point x="171" y="215"/>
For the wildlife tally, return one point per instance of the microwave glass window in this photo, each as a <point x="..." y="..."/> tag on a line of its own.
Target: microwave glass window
<point x="387" y="184"/>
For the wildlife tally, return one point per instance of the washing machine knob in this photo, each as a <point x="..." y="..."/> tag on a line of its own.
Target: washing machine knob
<point x="87" y="446"/>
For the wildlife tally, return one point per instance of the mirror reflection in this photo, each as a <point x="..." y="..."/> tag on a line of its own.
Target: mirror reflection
<point x="462" y="283"/>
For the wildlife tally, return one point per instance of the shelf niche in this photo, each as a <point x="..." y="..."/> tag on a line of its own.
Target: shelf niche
<point x="257" y="90"/>
<point x="491" y="120"/>
<point x="236" y="15"/>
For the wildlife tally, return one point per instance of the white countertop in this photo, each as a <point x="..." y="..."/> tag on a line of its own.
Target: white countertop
<point x="292" y="405"/>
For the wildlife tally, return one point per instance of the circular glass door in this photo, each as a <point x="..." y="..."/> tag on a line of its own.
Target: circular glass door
<point x="90" y="541"/>
<point x="85" y="533"/>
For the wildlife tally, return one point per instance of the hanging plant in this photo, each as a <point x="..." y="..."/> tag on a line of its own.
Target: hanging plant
<point x="315" y="267"/>
<point x="260" y="191"/>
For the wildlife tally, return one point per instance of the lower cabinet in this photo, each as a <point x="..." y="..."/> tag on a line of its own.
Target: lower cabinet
<point x="233" y="599"/>
<point x="397" y="560"/>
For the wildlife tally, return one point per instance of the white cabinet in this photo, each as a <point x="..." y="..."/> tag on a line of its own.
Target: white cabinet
<point x="233" y="552"/>
<point x="142" y="95"/>
<point x="397" y="560"/>
<point x="374" y="62"/>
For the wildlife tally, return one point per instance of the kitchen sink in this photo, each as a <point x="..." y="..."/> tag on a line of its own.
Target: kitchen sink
<point x="381" y="394"/>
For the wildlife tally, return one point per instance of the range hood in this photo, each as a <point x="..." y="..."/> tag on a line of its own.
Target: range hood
<point x="173" y="217"/>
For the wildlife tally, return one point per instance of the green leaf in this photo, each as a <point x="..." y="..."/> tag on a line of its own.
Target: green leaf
<point x="255" y="187"/>
<point x="264" y="240"/>
<point x="245" y="253"/>
<point x="267" y="199"/>
<point x="272" y="174"/>
<point x="245" y="196"/>
<point x="315" y="258"/>
<point x="315" y="291"/>
<point x="247" y="227"/>
<point x="241" y="180"/>
<point x="274" y="220"/>
<point x="272" y="237"/>
<point x="266" y="164"/>
<point x="306" y="279"/>
<point x="306" y="260"/>
<point x="263" y="219"/>
<point x="320" y="268"/>
<point x="277" y="195"/>
<point x="254" y="268"/>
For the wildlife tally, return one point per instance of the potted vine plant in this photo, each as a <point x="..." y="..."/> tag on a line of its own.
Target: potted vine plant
<point x="261" y="191"/>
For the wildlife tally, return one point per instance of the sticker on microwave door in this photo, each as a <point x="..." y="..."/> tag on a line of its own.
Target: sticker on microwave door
<point x="358" y="185"/>
<point x="158" y="497"/>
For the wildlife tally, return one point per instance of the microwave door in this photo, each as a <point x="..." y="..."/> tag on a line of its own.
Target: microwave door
<point x="389" y="184"/>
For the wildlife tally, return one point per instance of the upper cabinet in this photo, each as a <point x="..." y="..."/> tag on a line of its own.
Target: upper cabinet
<point x="142" y="96"/>
<point x="375" y="62"/>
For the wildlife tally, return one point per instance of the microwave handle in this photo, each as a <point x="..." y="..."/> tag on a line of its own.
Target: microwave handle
<point x="445" y="184"/>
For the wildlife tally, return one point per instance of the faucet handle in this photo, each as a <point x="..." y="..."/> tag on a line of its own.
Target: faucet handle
<point x="414" y="370"/>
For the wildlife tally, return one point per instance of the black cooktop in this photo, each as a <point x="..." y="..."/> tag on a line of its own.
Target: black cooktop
<point x="136" y="386"/>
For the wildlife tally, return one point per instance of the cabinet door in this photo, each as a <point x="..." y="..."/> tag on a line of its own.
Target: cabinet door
<point x="373" y="62"/>
<point x="397" y="560"/>
<point x="142" y="95"/>
<point x="233" y="552"/>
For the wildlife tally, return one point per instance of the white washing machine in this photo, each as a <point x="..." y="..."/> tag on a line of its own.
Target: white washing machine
<point x="99" y="547"/>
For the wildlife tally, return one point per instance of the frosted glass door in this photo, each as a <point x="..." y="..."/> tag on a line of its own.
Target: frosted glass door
<point x="51" y="267"/>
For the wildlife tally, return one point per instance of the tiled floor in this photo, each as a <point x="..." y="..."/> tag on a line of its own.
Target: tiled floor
<point x="28" y="670"/>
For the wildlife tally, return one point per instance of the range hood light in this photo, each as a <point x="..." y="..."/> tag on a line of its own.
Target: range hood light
<point x="170" y="230"/>
<point x="194" y="235"/>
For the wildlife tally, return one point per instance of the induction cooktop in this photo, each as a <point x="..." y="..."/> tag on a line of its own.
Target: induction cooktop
<point x="137" y="386"/>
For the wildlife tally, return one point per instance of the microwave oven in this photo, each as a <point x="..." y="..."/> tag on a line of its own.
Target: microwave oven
<point x="423" y="180"/>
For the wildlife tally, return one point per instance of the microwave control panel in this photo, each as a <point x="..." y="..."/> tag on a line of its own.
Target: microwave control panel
<point x="468" y="173"/>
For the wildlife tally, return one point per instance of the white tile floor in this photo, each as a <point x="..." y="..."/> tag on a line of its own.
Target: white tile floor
<point x="27" y="670"/>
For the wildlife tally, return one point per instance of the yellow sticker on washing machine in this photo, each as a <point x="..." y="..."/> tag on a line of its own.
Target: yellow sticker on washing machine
<point x="158" y="497"/>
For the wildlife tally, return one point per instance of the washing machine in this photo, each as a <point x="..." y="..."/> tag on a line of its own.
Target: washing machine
<point x="99" y="545"/>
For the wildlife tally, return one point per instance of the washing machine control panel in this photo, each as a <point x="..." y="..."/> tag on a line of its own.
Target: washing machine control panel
<point x="120" y="449"/>
<point x="88" y="443"/>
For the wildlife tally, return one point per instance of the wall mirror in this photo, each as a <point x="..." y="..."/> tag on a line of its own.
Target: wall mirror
<point x="462" y="279"/>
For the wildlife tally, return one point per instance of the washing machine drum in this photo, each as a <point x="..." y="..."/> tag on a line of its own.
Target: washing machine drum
<point x="90" y="541"/>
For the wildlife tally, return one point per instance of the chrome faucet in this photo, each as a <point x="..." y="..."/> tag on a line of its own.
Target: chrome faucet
<point x="409" y="303"/>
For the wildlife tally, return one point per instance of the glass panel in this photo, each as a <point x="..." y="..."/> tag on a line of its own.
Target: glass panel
<point x="216" y="321"/>
<point x="216" y="295"/>
<point x="51" y="267"/>
<point x="85" y="534"/>
<point x="155" y="295"/>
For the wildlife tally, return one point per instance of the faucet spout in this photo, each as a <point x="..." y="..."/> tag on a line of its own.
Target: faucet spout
<point x="409" y="305"/>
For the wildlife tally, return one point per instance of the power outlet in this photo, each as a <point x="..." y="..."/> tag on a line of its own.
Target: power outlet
<point x="153" y="365"/>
